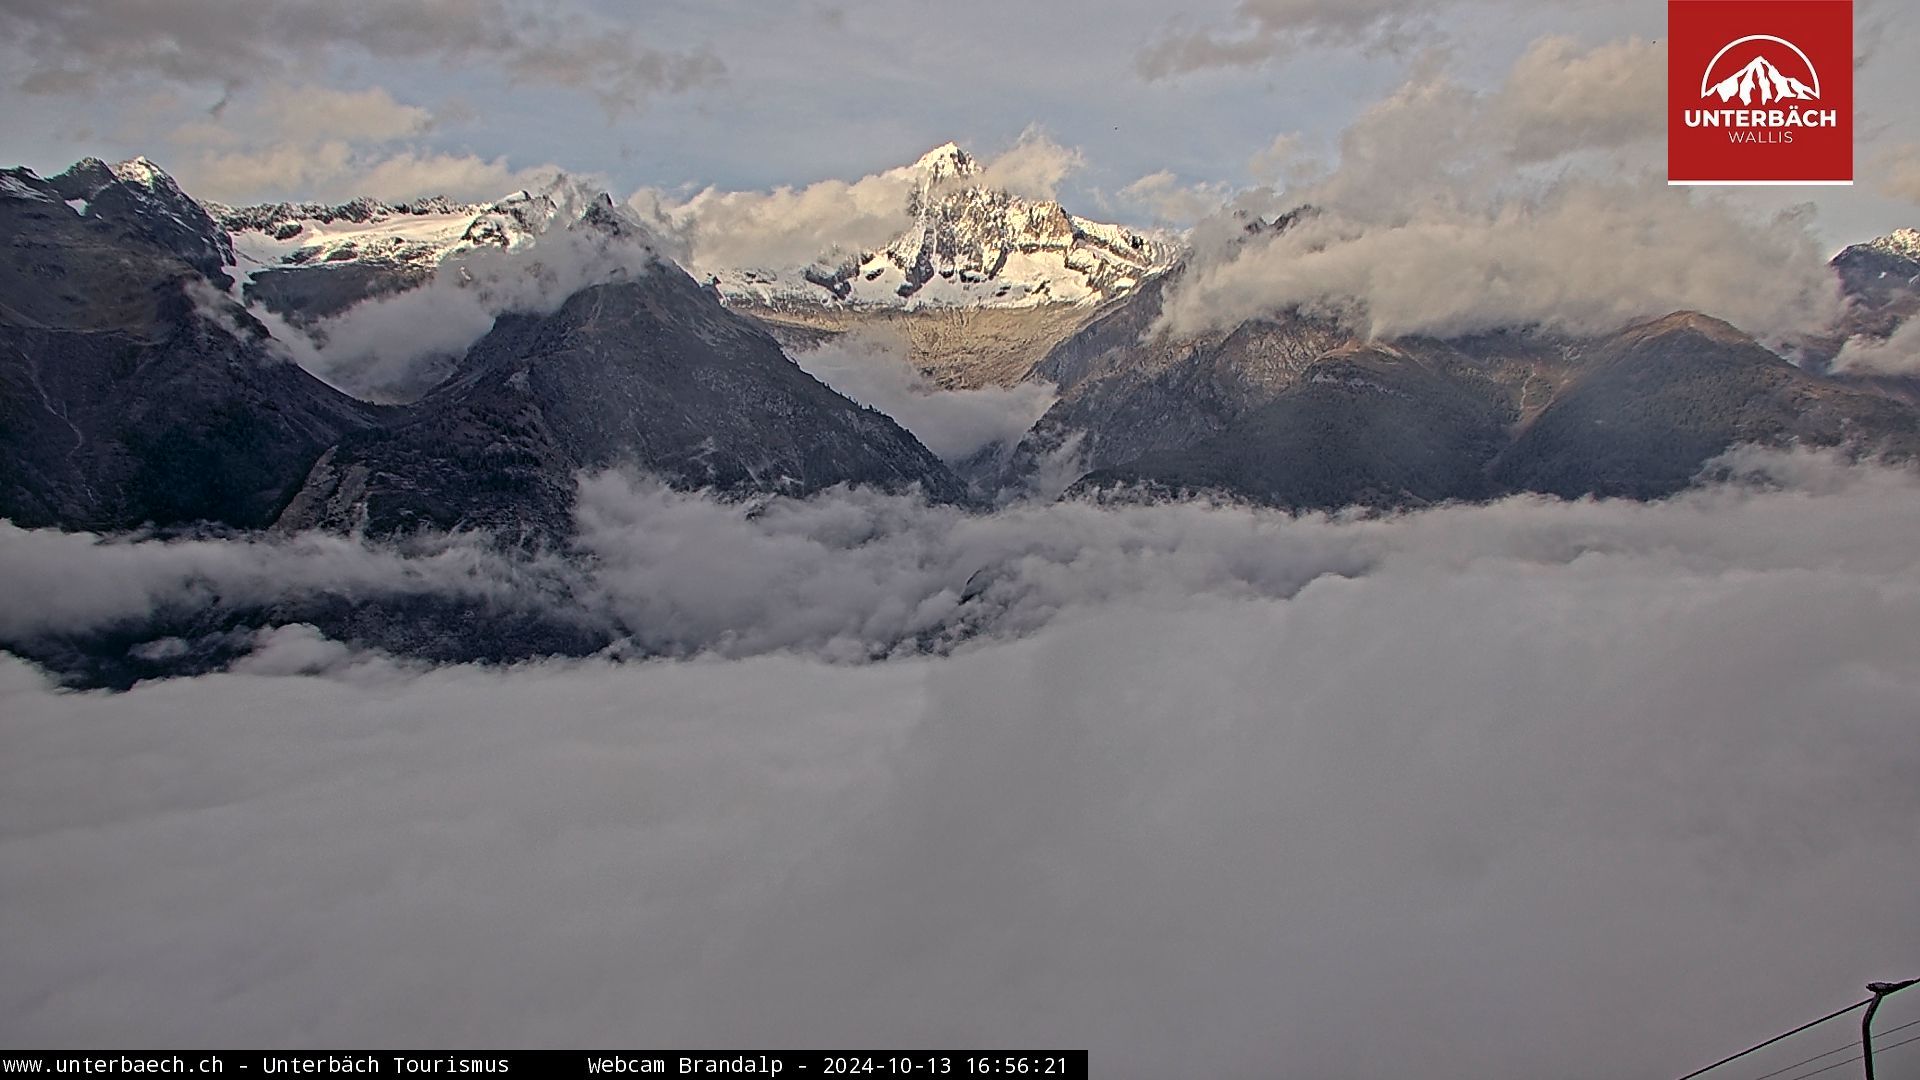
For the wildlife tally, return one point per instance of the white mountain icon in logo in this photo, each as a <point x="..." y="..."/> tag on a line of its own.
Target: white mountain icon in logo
<point x="1760" y="80"/>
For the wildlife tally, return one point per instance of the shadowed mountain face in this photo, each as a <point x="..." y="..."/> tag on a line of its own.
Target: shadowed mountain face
<point x="1880" y="283"/>
<point x="121" y="404"/>
<point x="1125" y="394"/>
<point x="124" y="402"/>
<point x="1366" y="426"/>
<point x="1295" y="413"/>
<point x="1647" y="407"/>
<point x="146" y="207"/>
<point x="133" y="391"/>
<point x="1881" y="280"/>
<point x="650" y="372"/>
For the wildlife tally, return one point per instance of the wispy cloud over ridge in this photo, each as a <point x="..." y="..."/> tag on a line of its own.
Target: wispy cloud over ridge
<point x="1538" y="203"/>
<point x="852" y="575"/>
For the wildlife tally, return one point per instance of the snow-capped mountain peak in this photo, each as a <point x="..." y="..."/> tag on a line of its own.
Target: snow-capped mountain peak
<point x="963" y="244"/>
<point x="1904" y="243"/>
<point x="945" y="162"/>
<point x="139" y="195"/>
<point x="140" y="170"/>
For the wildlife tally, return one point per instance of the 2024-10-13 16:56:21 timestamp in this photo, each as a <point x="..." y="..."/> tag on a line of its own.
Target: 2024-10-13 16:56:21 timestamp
<point x="981" y="1065"/>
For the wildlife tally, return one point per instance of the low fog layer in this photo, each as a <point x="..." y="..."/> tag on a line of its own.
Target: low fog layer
<point x="854" y="575"/>
<point x="1530" y="789"/>
<point x="876" y="370"/>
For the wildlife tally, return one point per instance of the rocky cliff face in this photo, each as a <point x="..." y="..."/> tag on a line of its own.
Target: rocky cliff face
<point x="1295" y="412"/>
<point x="144" y="204"/>
<point x="967" y="245"/>
<point x="134" y="393"/>
<point x="1881" y="279"/>
<point x="133" y="390"/>
<point x="130" y="394"/>
<point x="1370" y="426"/>
<point x="1644" y="409"/>
<point x="1125" y="393"/>
<point x="650" y="372"/>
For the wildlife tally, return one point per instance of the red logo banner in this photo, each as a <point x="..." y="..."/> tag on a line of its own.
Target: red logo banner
<point x="1760" y="91"/>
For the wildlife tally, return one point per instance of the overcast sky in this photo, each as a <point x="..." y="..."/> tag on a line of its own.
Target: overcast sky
<point x="281" y="99"/>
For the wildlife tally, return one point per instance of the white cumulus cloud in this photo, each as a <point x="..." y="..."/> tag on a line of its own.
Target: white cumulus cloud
<point x="1537" y="203"/>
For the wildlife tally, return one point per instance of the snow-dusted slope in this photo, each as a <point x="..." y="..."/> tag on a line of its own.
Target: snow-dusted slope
<point x="308" y="262"/>
<point x="139" y="196"/>
<point x="1901" y="243"/>
<point x="414" y="236"/>
<point x="1882" y="269"/>
<point x="969" y="245"/>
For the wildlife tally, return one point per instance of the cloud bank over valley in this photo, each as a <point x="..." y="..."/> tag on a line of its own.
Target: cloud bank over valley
<point x="1499" y="773"/>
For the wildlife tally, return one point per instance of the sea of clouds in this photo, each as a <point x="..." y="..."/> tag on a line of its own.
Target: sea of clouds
<point x="1537" y="788"/>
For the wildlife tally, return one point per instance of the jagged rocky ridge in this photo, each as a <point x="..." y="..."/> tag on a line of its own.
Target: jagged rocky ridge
<point x="967" y="244"/>
<point x="139" y="198"/>
<point x="980" y="282"/>
<point x="649" y="372"/>
<point x="645" y="369"/>
<point x="136" y="393"/>
<point x="1881" y="279"/>
<point x="307" y="262"/>
<point x="1297" y="412"/>
<point x="123" y="402"/>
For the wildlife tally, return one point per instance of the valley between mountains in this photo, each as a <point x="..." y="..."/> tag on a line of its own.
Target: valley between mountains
<point x="447" y="381"/>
